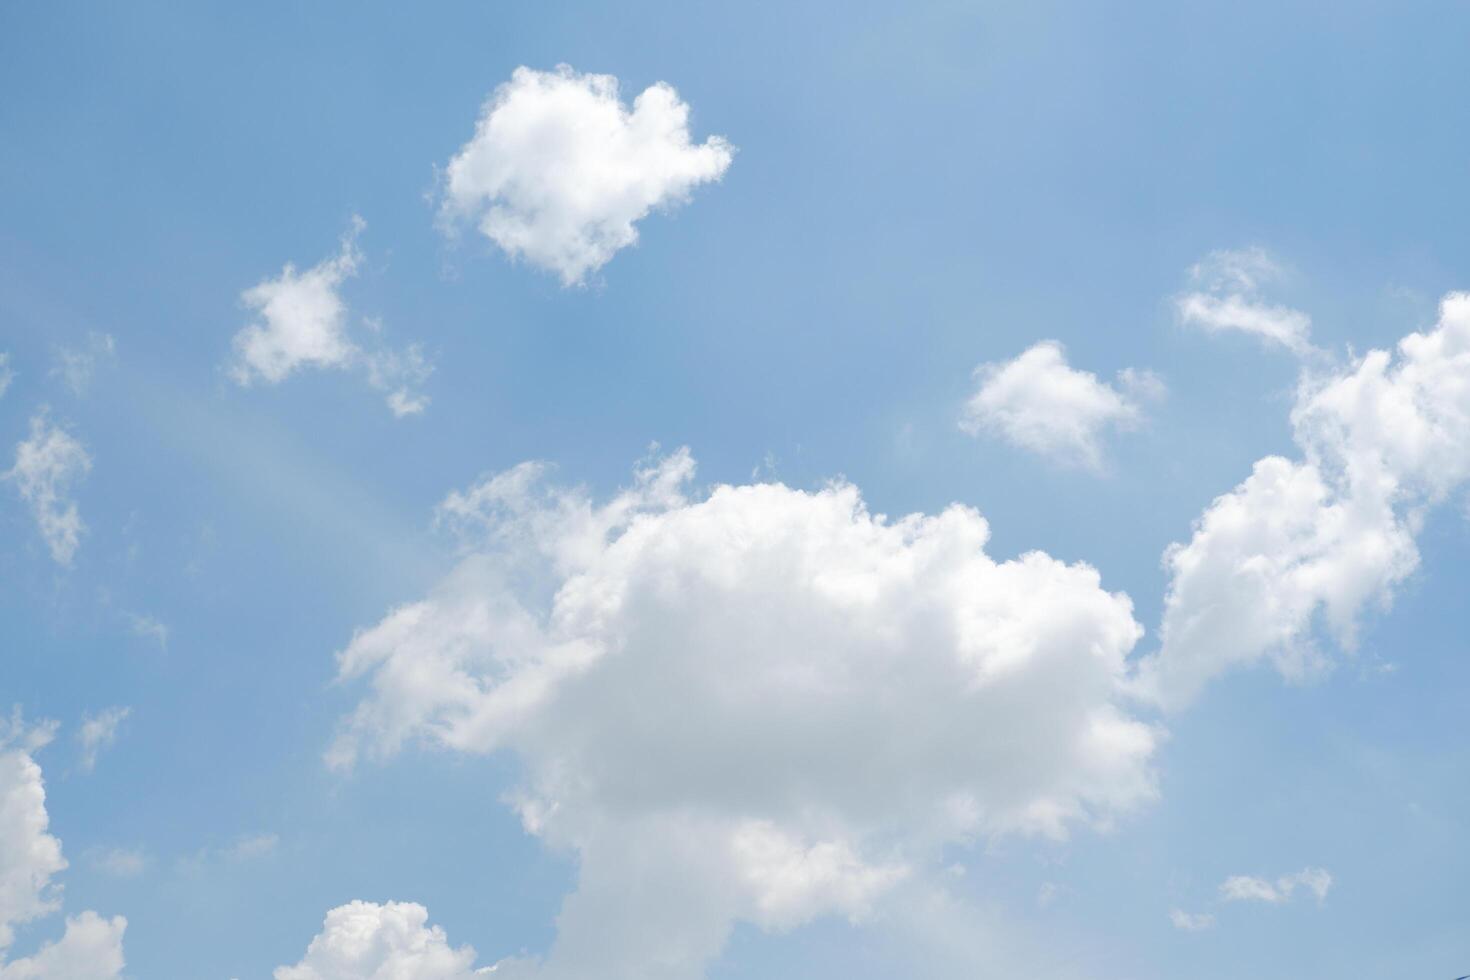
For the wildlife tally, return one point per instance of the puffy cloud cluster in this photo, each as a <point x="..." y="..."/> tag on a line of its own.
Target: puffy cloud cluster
<point x="1325" y="535"/>
<point x="1227" y="296"/>
<point x="560" y="171"/>
<point x="1039" y="403"/>
<point x="47" y="465"/>
<point x="91" y="947"/>
<point x="367" y="941"/>
<point x="304" y="324"/>
<point x="753" y="704"/>
<point x="1244" y="888"/>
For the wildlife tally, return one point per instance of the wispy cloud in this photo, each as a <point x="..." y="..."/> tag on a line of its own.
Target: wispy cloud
<point x="47" y="465"/>
<point x="148" y="628"/>
<point x="1191" y="921"/>
<point x="98" y="733"/>
<point x="76" y="366"/>
<point x="251" y="846"/>
<point x="1226" y="296"/>
<point x="241" y="850"/>
<point x="121" y="862"/>
<point x="1245" y="888"/>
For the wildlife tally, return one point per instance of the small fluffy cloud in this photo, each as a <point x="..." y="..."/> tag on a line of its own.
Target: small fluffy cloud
<point x="367" y="941"/>
<point x="1039" y="403"/>
<point x="76" y="365"/>
<point x="47" y="465"/>
<point x="1226" y="296"/>
<point x="754" y="704"/>
<point x="91" y="947"/>
<point x="98" y="733"/>
<point x="1244" y="888"/>
<point x="1191" y="921"/>
<point x="560" y="171"/>
<point x="303" y="319"/>
<point x="303" y="323"/>
<point x="7" y="373"/>
<point x="1321" y="537"/>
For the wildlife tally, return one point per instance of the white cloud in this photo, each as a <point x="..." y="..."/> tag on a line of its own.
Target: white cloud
<point x="1191" y="921"/>
<point x="559" y="171"/>
<point x="7" y="374"/>
<point x="29" y="856"/>
<point x="1227" y="297"/>
<point x="98" y="733"/>
<point x="242" y="849"/>
<point x="304" y="324"/>
<point x="367" y="941"/>
<point x="46" y="466"/>
<point x="757" y="704"/>
<point x="1320" y="538"/>
<point x="1244" y="888"/>
<point x="943" y="936"/>
<point x="304" y="319"/>
<point x="121" y="862"/>
<point x="1039" y="403"/>
<point x="91" y="947"/>
<point x="149" y="628"/>
<point x="399" y="373"/>
<point x="251" y="846"/>
<point x="77" y="365"/>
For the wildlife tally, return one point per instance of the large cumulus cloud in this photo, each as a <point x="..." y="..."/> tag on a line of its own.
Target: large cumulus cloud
<point x="755" y="703"/>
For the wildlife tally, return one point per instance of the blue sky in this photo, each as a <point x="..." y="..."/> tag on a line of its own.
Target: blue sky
<point x="909" y="192"/>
